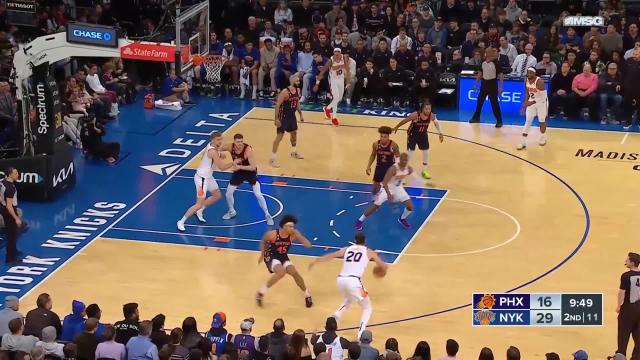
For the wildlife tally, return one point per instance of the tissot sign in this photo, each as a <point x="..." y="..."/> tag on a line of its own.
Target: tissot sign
<point x="90" y="34"/>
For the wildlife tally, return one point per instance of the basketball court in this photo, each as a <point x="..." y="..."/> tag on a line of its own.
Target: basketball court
<point x="558" y="218"/>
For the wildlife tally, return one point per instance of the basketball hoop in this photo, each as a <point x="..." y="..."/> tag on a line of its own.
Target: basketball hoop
<point x="213" y="65"/>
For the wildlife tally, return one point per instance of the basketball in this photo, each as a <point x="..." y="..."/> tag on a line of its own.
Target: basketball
<point x="197" y="60"/>
<point x="379" y="271"/>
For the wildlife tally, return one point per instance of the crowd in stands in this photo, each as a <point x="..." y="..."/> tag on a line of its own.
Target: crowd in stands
<point x="81" y="335"/>
<point x="403" y="46"/>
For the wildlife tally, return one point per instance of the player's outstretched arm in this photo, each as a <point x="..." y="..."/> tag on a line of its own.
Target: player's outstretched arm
<point x="376" y="258"/>
<point x="302" y="239"/>
<point x="409" y="118"/>
<point x="334" y="255"/>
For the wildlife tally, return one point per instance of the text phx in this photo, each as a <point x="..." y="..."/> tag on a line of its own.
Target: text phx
<point x="511" y="302"/>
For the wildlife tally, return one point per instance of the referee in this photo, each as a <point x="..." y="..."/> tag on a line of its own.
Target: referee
<point x="629" y="307"/>
<point x="490" y="73"/>
<point x="9" y="210"/>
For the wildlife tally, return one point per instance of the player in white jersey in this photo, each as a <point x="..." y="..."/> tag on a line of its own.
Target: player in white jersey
<point x="338" y="71"/>
<point x="355" y="259"/>
<point x="393" y="191"/>
<point x="536" y="104"/>
<point x="204" y="180"/>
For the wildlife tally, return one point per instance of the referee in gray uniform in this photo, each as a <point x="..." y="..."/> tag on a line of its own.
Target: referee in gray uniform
<point x="629" y="307"/>
<point x="490" y="73"/>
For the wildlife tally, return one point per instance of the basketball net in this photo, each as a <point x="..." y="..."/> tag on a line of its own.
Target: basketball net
<point x="213" y="65"/>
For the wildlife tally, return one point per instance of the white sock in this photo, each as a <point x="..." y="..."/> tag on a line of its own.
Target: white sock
<point x="338" y="314"/>
<point x="201" y="210"/>
<point x="261" y="201"/>
<point x="410" y="153"/>
<point x="229" y="196"/>
<point x="405" y="213"/>
<point x="183" y="219"/>
<point x="307" y="293"/>
<point x="293" y="149"/>
<point x="524" y="140"/>
<point x="367" y="309"/>
<point x="362" y="217"/>
<point x="263" y="290"/>
<point x="425" y="157"/>
<point x="273" y="156"/>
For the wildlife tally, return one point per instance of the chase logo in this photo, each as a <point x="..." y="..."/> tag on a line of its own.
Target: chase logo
<point x="92" y="35"/>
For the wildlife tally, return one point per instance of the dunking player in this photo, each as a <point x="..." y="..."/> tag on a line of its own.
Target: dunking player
<point x="536" y="104"/>
<point x="392" y="191"/>
<point x="274" y="249"/>
<point x="211" y="161"/>
<point x="355" y="260"/>
<point x="338" y="71"/>
<point x="245" y="170"/>
<point x="286" y="106"/>
<point x="417" y="133"/>
<point x="385" y="152"/>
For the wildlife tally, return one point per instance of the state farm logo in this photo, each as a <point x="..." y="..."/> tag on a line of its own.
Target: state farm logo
<point x="127" y="51"/>
<point x="631" y="157"/>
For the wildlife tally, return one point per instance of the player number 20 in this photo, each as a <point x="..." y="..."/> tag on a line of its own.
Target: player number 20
<point x="544" y="318"/>
<point x="353" y="257"/>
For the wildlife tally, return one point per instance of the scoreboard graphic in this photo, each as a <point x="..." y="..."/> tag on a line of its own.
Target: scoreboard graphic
<point x="537" y="309"/>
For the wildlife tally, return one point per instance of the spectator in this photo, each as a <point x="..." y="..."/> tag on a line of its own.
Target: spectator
<point x="523" y="62"/>
<point x="351" y="81"/>
<point x="631" y="37"/>
<point x="360" y="54"/>
<point x="41" y="317"/>
<point x="324" y="45"/>
<point x="334" y="14"/>
<point x="550" y="68"/>
<point x="455" y="35"/>
<point x="287" y="64"/>
<point x="405" y="57"/>
<point x="191" y="338"/>
<point x="268" y="64"/>
<point x="302" y="15"/>
<point x="611" y="40"/>
<point x="158" y="337"/>
<point x="590" y="36"/>
<point x="140" y="347"/>
<point x="485" y="354"/>
<point x="629" y="53"/>
<point x="516" y="37"/>
<point x="456" y="62"/>
<point x="513" y="10"/>
<point x="319" y="348"/>
<point x="492" y="37"/>
<point x="278" y="340"/>
<point x="422" y="352"/>
<point x="452" y="348"/>
<point x="317" y="84"/>
<point x="177" y="351"/>
<point x="127" y="328"/>
<point x="8" y="119"/>
<point x="402" y="37"/>
<point x="392" y="349"/>
<point x="437" y="35"/>
<point x="503" y="23"/>
<point x="395" y="82"/>
<point x="375" y="41"/>
<point x="571" y="37"/>
<point x="15" y="340"/>
<point x="175" y="90"/>
<point x="109" y="348"/>
<point x="476" y="60"/>
<point x="470" y="44"/>
<point x="342" y="42"/>
<point x="560" y="89"/>
<point x="374" y="21"/>
<point x="508" y="50"/>
<point x="267" y="32"/>
<point x="369" y="83"/>
<point x="94" y="311"/>
<point x="87" y="341"/>
<point x="610" y="88"/>
<point x="283" y="14"/>
<point x="451" y="10"/>
<point x="524" y="21"/>
<point x="367" y="352"/>
<point x="552" y="356"/>
<point x="91" y="135"/>
<point x="584" y="88"/>
<point x="93" y="80"/>
<point x="298" y="347"/>
<point x="415" y="28"/>
<point x="9" y="312"/>
<point x="631" y="88"/>
<point x="70" y="351"/>
<point x="245" y="343"/>
<point x="354" y="352"/>
<point x="49" y="344"/>
<point x="381" y="55"/>
<point x="263" y="349"/>
<point x="73" y="320"/>
<point x="263" y="11"/>
<point x="616" y="57"/>
<point x="513" y="353"/>
<point x="596" y="64"/>
<point x="580" y="355"/>
<point x="572" y="59"/>
<point x="330" y="338"/>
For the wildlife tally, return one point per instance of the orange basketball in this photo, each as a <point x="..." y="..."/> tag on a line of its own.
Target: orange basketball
<point x="379" y="271"/>
<point x="197" y="60"/>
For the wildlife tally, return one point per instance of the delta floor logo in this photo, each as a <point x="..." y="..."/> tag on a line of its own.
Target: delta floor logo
<point x="625" y="157"/>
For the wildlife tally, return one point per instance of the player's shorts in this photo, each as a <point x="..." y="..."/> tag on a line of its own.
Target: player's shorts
<point x="380" y="172"/>
<point x="422" y="140"/>
<point x="204" y="185"/>
<point x="351" y="287"/>
<point x="287" y="125"/>
<point x="284" y="261"/>
<point x="538" y="109"/>
<point x="398" y="192"/>
<point x="240" y="176"/>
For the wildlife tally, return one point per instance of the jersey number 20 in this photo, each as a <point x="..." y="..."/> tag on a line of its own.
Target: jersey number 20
<point x="353" y="256"/>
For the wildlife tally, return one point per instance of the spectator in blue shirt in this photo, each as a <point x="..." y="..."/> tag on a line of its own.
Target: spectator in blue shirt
<point x="437" y="35"/>
<point x="174" y="89"/>
<point x="141" y="347"/>
<point x="571" y="37"/>
<point x="250" y="58"/>
<point x="319" y="62"/>
<point x="215" y="46"/>
<point x="73" y="321"/>
<point x="92" y="311"/>
<point x="286" y="66"/>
